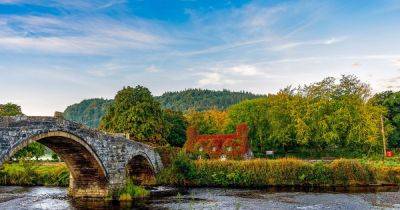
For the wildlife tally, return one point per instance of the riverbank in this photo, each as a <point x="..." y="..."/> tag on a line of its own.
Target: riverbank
<point x="254" y="173"/>
<point x="280" y="172"/>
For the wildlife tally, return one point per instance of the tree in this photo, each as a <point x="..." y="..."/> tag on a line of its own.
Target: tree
<point x="211" y="121"/>
<point x="176" y="124"/>
<point x="391" y="101"/>
<point x="32" y="150"/>
<point x="254" y="114"/>
<point x="135" y="111"/>
<point x="10" y="109"/>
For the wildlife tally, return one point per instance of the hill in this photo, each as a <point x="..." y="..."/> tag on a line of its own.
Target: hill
<point x="88" y="112"/>
<point x="200" y="99"/>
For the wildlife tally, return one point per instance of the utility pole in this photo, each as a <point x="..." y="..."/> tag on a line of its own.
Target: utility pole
<point x="383" y="137"/>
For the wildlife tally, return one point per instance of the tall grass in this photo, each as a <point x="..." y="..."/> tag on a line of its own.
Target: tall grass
<point x="284" y="172"/>
<point x="27" y="173"/>
<point x="129" y="192"/>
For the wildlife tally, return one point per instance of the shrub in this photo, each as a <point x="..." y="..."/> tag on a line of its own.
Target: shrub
<point x="130" y="191"/>
<point x="282" y="172"/>
<point x="181" y="170"/>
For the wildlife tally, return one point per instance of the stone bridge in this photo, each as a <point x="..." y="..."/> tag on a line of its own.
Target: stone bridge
<point x="98" y="162"/>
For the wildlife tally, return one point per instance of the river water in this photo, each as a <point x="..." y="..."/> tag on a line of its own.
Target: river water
<point x="12" y="197"/>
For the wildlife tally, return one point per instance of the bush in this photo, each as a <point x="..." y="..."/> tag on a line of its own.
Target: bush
<point x="130" y="191"/>
<point x="182" y="170"/>
<point x="280" y="172"/>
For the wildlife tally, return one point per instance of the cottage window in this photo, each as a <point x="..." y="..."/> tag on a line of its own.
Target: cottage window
<point x="223" y="157"/>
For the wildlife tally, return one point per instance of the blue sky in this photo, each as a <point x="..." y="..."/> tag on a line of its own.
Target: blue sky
<point x="56" y="53"/>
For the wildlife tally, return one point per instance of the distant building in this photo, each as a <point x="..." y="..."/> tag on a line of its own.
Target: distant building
<point x="223" y="146"/>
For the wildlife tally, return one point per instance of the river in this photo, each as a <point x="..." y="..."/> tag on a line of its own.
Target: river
<point x="12" y="197"/>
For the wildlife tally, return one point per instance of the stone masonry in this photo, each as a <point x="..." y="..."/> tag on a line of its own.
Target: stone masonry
<point x="97" y="161"/>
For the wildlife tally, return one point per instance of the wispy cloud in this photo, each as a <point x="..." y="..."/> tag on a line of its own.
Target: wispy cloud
<point x="152" y="69"/>
<point x="291" y="45"/>
<point x="88" y="36"/>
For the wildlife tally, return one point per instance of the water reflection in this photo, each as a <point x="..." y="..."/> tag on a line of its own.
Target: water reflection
<point x="213" y="198"/>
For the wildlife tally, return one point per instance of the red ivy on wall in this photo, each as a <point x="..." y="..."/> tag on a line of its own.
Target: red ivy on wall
<point x="234" y="146"/>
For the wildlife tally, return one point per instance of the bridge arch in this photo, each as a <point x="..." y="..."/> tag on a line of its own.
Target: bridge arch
<point x="140" y="169"/>
<point x="87" y="174"/>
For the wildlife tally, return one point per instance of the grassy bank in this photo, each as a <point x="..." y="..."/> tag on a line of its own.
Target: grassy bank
<point x="278" y="172"/>
<point x="34" y="174"/>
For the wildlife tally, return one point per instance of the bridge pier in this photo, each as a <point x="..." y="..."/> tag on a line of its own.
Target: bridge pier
<point x="88" y="191"/>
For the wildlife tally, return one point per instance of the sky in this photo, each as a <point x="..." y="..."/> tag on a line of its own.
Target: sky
<point x="57" y="53"/>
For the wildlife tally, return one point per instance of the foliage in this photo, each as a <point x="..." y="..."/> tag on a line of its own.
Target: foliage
<point x="135" y="111"/>
<point x="200" y="100"/>
<point x="233" y="146"/>
<point x="10" y="109"/>
<point x="130" y="191"/>
<point x="254" y="114"/>
<point x="288" y="172"/>
<point x="33" y="150"/>
<point x="33" y="174"/>
<point x="181" y="170"/>
<point x="176" y="126"/>
<point x="390" y="100"/>
<point x="210" y="121"/>
<point x="88" y="112"/>
<point x="323" y="117"/>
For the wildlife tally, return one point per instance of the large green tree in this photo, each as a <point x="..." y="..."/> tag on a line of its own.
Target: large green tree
<point x="136" y="112"/>
<point x="34" y="149"/>
<point x="391" y="101"/>
<point x="254" y="114"/>
<point x="176" y="124"/>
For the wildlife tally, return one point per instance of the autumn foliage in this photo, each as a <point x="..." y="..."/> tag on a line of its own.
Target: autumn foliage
<point x="233" y="146"/>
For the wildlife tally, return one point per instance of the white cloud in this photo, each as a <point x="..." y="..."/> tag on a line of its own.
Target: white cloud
<point x="215" y="79"/>
<point x="231" y="75"/>
<point x="397" y="63"/>
<point x="152" y="69"/>
<point x="244" y="70"/>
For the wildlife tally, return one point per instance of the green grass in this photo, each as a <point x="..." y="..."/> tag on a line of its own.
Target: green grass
<point x="34" y="174"/>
